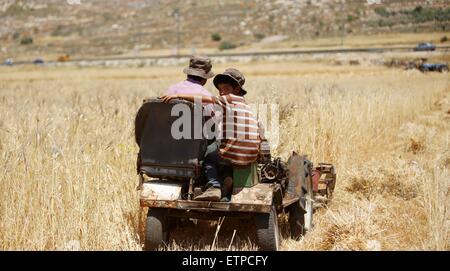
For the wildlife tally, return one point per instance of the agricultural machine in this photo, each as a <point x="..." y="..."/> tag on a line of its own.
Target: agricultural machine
<point x="170" y="177"/>
<point x="64" y="58"/>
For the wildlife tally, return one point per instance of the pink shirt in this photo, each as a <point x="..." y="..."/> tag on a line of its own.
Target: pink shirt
<point x="188" y="87"/>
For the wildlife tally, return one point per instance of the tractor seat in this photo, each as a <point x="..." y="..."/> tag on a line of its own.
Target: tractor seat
<point x="160" y="154"/>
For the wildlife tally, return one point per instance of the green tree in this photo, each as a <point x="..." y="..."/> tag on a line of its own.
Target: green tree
<point x="216" y="37"/>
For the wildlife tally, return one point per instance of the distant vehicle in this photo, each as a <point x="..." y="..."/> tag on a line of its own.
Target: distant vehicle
<point x="425" y="46"/>
<point x="64" y="58"/>
<point x="9" y="62"/>
<point x="428" y="67"/>
<point x="38" y="61"/>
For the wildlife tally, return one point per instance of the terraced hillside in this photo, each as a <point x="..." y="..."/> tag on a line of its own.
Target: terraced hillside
<point x="100" y="27"/>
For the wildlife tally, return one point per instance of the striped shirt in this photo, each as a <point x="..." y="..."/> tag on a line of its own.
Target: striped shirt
<point x="240" y="131"/>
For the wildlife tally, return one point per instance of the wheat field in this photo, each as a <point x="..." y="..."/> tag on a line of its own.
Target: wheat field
<point x="67" y="155"/>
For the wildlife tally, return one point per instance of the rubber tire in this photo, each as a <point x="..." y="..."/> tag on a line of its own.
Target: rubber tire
<point x="267" y="231"/>
<point x="443" y="70"/>
<point x="156" y="230"/>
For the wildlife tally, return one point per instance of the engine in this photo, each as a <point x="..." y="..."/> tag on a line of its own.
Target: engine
<point x="274" y="171"/>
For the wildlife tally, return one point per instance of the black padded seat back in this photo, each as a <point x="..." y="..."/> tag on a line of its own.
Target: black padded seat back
<point x="160" y="154"/>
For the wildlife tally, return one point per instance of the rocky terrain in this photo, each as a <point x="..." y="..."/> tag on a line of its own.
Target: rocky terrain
<point x="100" y="27"/>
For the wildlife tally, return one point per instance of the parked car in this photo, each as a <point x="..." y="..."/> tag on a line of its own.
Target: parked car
<point x="9" y="61"/>
<point x="38" y="61"/>
<point x="433" y="67"/>
<point x="425" y="46"/>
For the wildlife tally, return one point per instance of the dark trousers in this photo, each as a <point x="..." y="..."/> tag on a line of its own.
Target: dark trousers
<point x="215" y="168"/>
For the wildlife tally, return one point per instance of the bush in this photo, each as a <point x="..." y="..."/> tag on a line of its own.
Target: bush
<point x="444" y="39"/>
<point x="384" y="23"/>
<point x="225" y="45"/>
<point x="259" y="36"/>
<point x="26" y="40"/>
<point x="418" y="9"/>
<point x="420" y="14"/>
<point x="16" y="35"/>
<point x="442" y="15"/>
<point x="216" y="37"/>
<point x="350" y="18"/>
<point x="382" y="11"/>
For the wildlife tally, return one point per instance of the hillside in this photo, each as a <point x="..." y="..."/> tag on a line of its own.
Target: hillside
<point x="100" y="27"/>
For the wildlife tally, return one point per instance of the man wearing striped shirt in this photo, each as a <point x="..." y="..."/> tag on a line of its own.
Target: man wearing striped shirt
<point x="240" y="133"/>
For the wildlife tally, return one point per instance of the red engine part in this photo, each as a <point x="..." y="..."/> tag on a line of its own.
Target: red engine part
<point x="315" y="178"/>
<point x="324" y="179"/>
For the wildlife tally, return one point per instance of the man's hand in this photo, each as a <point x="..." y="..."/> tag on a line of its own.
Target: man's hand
<point x="167" y="98"/>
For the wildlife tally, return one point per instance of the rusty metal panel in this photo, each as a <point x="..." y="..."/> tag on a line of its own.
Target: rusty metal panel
<point x="260" y="194"/>
<point x="161" y="191"/>
<point x="247" y="199"/>
<point x="288" y="201"/>
<point x="324" y="179"/>
<point x="322" y="184"/>
<point x="316" y="176"/>
<point x="205" y="206"/>
<point x="296" y="175"/>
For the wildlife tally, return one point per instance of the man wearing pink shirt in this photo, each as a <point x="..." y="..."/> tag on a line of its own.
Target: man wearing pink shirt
<point x="198" y="72"/>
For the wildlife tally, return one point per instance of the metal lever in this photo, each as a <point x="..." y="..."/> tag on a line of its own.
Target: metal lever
<point x="191" y="189"/>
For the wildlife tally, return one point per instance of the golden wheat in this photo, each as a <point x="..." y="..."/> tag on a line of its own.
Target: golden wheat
<point x="67" y="155"/>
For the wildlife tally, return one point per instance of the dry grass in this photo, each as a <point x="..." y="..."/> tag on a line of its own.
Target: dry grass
<point x="67" y="156"/>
